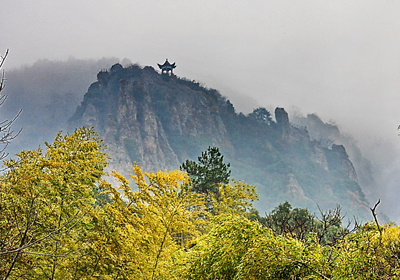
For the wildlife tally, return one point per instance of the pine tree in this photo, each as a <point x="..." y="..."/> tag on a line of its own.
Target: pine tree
<point x="208" y="172"/>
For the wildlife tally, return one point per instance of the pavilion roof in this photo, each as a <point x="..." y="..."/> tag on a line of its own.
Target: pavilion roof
<point x="167" y="65"/>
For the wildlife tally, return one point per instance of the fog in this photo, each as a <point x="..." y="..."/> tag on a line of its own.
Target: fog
<point x="338" y="59"/>
<point x="48" y="92"/>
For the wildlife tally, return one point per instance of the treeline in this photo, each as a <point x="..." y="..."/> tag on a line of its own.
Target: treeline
<point x="61" y="220"/>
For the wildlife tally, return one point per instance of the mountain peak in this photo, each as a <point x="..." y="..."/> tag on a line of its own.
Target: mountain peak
<point x="159" y="121"/>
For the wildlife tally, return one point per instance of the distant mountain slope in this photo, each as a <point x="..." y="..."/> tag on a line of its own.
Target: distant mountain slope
<point x="48" y="92"/>
<point x="159" y="121"/>
<point x="327" y="134"/>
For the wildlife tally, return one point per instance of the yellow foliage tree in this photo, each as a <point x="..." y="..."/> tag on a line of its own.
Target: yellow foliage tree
<point x="137" y="235"/>
<point x="60" y="220"/>
<point x="234" y="198"/>
<point x="369" y="254"/>
<point x="237" y="248"/>
<point x="46" y="200"/>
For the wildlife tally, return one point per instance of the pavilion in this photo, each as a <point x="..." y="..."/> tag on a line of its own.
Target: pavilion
<point x="167" y="67"/>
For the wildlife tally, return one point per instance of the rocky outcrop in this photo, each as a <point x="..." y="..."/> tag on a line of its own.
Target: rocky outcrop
<point x="159" y="121"/>
<point x="134" y="133"/>
<point x="318" y="155"/>
<point x="150" y="119"/>
<point x="327" y="134"/>
<point x="344" y="163"/>
<point x="282" y="117"/>
<point x="294" y="190"/>
<point x="295" y="135"/>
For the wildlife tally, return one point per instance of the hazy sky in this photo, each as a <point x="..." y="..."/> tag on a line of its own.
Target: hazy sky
<point x="339" y="59"/>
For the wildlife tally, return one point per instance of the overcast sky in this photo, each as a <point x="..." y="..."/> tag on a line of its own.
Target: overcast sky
<point x="339" y="59"/>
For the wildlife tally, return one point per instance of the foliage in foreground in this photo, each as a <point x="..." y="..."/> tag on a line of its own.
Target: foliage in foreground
<point x="46" y="203"/>
<point x="236" y="248"/>
<point x="60" y="220"/>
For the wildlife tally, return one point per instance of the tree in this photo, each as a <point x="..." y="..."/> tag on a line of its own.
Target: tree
<point x="208" y="172"/>
<point x="46" y="203"/>
<point x="284" y="220"/>
<point x="370" y="253"/>
<point x="140" y="233"/>
<point x="261" y="115"/>
<point x="299" y="223"/>
<point x="235" y="199"/>
<point x="6" y="133"/>
<point x="237" y="248"/>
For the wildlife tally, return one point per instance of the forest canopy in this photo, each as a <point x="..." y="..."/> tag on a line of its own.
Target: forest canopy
<point x="60" y="219"/>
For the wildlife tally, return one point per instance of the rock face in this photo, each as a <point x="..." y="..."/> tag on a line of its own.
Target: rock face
<point x="151" y="119"/>
<point x="159" y="121"/>
<point x="281" y="117"/>
<point x="319" y="156"/>
<point x="344" y="163"/>
<point x="349" y="157"/>
<point x="294" y="190"/>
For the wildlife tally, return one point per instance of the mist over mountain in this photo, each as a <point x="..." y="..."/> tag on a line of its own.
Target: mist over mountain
<point x="48" y="93"/>
<point x="328" y="134"/>
<point x="161" y="121"/>
<point x="376" y="165"/>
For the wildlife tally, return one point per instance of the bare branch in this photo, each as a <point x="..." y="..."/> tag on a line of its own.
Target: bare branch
<point x="59" y="231"/>
<point x="66" y="255"/>
<point x="376" y="218"/>
<point x="6" y="133"/>
<point x="3" y="58"/>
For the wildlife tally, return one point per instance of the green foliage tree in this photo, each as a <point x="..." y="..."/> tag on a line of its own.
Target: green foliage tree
<point x="370" y="253"/>
<point x="261" y="115"/>
<point x="208" y="172"/>
<point x="299" y="223"/>
<point x="284" y="220"/>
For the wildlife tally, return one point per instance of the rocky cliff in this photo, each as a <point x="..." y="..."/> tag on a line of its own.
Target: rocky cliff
<point x="329" y="135"/>
<point x="159" y="121"/>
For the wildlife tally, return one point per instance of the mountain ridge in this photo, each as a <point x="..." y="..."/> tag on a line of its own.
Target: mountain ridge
<point x="159" y="121"/>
